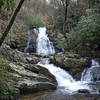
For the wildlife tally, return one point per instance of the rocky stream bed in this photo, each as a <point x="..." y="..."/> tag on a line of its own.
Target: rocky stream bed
<point x="34" y="79"/>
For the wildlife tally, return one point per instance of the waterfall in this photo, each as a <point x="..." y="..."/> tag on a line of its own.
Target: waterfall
<point x="28" y="41"/>
<point x="64" y="79"/>
<point x="93" y="73"/>
<point x="44" y="45"/>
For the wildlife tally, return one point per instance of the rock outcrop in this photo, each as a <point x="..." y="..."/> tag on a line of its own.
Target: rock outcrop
<point x="31" y="42"/>
<point x="30" y="76"/>
<point x="71" y="62"/>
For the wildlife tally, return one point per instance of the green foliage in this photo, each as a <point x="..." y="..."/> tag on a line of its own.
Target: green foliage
<point x="87" y="32"/>
<point x="0" y="34"/>
<point x="7" y="90"/>
<point x="60" y="41"/>
<point x="31" y="19"/>
<point x="58" y="18"/>
<point x="7" y="4"/>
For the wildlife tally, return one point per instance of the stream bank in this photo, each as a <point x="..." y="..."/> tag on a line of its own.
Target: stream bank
<point x="59" y="95"/>
<point x="34" y="73"/>
<point x="30" y="77"/>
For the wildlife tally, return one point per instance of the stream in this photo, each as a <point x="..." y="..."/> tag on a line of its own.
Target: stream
<point x="67" y="85"/>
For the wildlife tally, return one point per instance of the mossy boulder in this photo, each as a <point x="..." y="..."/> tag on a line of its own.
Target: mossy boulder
<point x="71" y="62"/>
<point x="17" y="56"/>
<point x="23" y="69"/>
<point x="33" y="80"/>
<point x="38" y="87"/>
<point x="46" y="72"/>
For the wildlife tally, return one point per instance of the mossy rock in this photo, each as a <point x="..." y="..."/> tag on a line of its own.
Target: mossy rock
<point x="71" y="62"/>
<point x="42" y="86"/>
<point x="45" y="72"/>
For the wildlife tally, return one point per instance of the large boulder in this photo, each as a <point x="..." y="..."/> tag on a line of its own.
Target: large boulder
<point x="30" y="81"/>
<point x="24" y="67"/>
<point x="38" y="87"/>
<point x="71" y="62"/>
<point x="17" y="56"/>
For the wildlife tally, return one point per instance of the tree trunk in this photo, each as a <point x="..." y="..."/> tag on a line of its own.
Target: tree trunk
<point x="11" y="22"/>
<point x="65" y="19"/>
<point x="0" y="9"/>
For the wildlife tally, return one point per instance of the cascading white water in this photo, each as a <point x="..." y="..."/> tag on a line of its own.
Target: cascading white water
<point x="92" y="73"/>
<point x="44" y="45"/>
<point x="63" y="78"/>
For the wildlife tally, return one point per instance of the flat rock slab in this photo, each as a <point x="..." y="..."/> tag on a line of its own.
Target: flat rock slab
<point x="58" y="95"/>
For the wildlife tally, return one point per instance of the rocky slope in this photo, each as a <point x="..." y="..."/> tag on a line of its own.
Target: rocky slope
<point x="30" y="77"/>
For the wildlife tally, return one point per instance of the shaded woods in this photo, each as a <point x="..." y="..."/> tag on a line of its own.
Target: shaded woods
<point x="11" y="22"/>
<point x="70" y="27"/>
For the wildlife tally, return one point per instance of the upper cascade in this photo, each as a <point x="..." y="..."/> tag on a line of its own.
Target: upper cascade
<point x="44" y="45"/>
<point x="92" y="73"/>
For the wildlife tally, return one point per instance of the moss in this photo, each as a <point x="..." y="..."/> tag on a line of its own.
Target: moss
<point x="44" y="71"/>
<point x="74" y="62"/>
<point x="7" y="82"/>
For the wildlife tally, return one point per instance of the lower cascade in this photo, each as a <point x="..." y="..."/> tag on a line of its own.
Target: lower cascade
<point x="92" y="73"/>
<point x="64" y="79"/>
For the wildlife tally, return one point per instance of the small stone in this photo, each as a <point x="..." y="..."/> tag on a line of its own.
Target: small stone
<point x="29" y="59"/>
<point x="83" y="91"/>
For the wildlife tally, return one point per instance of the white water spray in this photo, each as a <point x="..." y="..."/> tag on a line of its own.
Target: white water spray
<point x="92" y="73"/>
<point x="64" y="79"/>
<point x="44" y="45"/>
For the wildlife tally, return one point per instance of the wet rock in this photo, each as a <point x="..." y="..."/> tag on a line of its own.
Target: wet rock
<point x="99" y="91"/>
<point x="31" y="36"/>
<point x="27" y="72"/>
<point x="17" y="56"/>
<point x="33" y="79"/>
<point x="90" y="53"/>
<point x="24" y="88"/>
<point x="58" y="95"/>
<point x="15" y="44"/>
<point x="98" y="84"/>
<point x="71" y="62"/>
<point x="83" y="91"/>
<point x="98" y="60"/>
<point x="45" y="72"/>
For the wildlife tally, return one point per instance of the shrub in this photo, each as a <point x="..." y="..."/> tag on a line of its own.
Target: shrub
<point x="60" y="41"/>
<point x="87" y="32"/>
<point x="7" y="4"/>
<point x="58" y="18"/>
<point x="31" y="19"/>
<point x="7" y="90"/>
